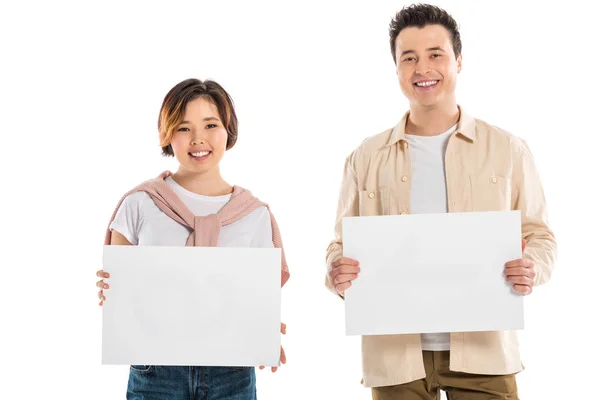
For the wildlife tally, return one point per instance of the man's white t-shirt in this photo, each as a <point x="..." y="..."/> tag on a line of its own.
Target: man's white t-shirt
<point x="144" y="224"/>
<point x="428" y="195"/>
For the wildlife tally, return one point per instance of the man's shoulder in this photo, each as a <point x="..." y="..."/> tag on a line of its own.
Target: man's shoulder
<point x="373" y="143"/>
<point x="493" y="132"/>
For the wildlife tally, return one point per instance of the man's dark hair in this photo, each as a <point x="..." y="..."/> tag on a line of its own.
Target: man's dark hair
<point x="421" y="15"/>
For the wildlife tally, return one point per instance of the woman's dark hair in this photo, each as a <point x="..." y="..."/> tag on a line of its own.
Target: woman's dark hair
<point x="175" y="102"/>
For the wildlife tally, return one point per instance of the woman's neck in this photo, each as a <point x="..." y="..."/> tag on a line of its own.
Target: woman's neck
<point x="209" y="183"/>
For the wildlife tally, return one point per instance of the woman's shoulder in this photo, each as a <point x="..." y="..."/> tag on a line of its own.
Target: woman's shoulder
<point x="136" y="197"/>
<point x="136" y="200"/>
<point x="261" y="212"/>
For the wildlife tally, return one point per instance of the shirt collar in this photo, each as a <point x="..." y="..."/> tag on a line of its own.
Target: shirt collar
<point x="466" y="127"/>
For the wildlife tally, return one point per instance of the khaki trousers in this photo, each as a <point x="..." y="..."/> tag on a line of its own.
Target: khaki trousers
<point x="457" y="385"/>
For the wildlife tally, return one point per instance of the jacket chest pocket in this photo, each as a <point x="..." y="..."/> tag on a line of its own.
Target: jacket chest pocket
<point x="374" y="202"/>
<point x="490" y="192"/>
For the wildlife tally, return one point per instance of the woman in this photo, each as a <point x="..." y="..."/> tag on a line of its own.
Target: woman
<point x="197" y="125"/>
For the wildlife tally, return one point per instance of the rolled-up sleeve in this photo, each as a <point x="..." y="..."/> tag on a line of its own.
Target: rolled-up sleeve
<point x="528" y="197"/>
<point x="348" y="206"/>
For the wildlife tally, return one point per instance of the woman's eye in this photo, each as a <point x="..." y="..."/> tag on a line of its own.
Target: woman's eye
<point x="210" y="126"/>
<point x="183" y="129"/>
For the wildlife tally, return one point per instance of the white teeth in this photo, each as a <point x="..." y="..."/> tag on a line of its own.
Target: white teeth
<point x="425" y="84"/>
<point x="200" y="154"/>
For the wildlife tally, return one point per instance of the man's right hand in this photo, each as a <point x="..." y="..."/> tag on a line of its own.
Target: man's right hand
<point x="342" y="272"/>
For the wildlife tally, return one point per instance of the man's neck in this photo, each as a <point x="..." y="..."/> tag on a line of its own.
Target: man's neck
<point x="431" y="121"/>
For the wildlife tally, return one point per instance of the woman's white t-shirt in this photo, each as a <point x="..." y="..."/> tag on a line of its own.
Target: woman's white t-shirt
<point x="144" y="224"/>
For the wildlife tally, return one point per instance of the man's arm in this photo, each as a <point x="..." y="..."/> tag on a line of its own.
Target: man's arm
<point x="348" y="206"/>
<point x="528" y="197"/>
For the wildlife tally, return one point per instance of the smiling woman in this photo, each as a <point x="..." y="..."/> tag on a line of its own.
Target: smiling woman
<point x="194" y="206"/>
<point x="197" y="124"/>
<point x="172" y="113"/>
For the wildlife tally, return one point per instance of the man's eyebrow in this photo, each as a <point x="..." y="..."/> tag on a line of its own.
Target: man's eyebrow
<point x="436" y="48"/>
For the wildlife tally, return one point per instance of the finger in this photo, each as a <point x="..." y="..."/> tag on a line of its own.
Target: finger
<point x="341" y="278"/>
<point x="515" y="263"/>
<point x="102" y="285"/>
<point x="273" y="369"/>
<point x="523" y="244"/>
<point x="519" y="271"/>
<point x="519" y="263"/>
<point x="283" y="358"/>
<point x="283" y="328"/>
<point x="524" y="290"/>
<point x="344" y="260"/>
<point x="100" y="295"/>
<point x="347" y="269"/>
<point x="102" y="274"/>
<point x="261" y="367"/>
<point x="342" y="287"/>
<point x="521" y="280"/>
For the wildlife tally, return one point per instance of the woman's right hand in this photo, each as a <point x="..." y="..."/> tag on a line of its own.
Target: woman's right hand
<point x="115" y="239"/>
<point x="102" y="285"/>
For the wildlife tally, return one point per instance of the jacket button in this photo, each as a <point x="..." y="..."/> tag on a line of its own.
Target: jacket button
<point x="404" y="178"/>
<point x="371" y="195"/>
<point x="494" y="179"/>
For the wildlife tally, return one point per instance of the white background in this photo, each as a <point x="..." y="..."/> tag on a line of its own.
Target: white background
<point x="81" y="87"/>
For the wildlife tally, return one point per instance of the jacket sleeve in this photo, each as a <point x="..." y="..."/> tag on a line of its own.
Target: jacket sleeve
<point x="348" y="206"/>
<point x="528" y="197"/>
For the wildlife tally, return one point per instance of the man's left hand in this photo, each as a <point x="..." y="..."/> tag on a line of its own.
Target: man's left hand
<point x="521" y="273"/>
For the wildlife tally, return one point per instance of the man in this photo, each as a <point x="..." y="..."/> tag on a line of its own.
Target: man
<point x="439" y="159"/>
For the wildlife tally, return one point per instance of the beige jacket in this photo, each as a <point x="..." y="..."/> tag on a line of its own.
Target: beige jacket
<point x="487" y="169"/>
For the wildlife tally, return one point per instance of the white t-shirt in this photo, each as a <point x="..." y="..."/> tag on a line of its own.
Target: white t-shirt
<point x="144" y="224"/>
<point x="428" y="195"/>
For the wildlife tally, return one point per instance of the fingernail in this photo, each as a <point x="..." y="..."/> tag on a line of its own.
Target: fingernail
<point x="105" y="286"/>
<point x="107" y="275"/>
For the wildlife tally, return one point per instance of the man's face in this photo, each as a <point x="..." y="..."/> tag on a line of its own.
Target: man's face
<point x="426" y="65"/>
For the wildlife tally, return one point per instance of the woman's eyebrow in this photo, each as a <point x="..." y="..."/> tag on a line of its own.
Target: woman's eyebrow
<point x="205" y="119"/>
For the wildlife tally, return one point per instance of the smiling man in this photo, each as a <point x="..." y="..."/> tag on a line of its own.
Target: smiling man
<point x="439" y="159"/>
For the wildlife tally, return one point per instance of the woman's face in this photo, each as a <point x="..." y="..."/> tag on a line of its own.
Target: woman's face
<point x="200" y="141"/>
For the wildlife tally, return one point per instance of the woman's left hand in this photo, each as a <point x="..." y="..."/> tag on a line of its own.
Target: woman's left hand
<point x="282" y="356"/>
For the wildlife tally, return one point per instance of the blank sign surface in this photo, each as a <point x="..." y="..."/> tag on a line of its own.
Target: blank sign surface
<point x="432" y="273"/>
<point x="192" y="306"/>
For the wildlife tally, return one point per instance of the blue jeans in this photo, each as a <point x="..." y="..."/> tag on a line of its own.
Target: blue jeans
<point x="155" y="382"/>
